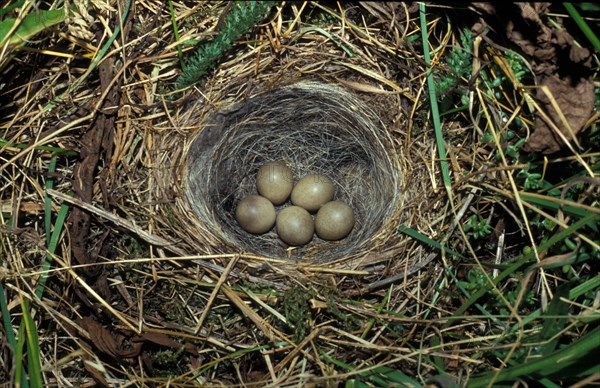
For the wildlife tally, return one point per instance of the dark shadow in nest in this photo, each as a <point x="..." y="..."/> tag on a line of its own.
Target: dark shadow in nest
<point x="314" y="128"/>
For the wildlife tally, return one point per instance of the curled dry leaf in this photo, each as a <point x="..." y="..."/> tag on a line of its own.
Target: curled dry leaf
<point x="104" y="340"/>
<point x="576" y="101"/>
<point x="562" y="67"/>
<point x="114" y="345"/>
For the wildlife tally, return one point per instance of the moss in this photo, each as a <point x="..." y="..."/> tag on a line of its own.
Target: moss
<point x="297" y="311"/>
<point x="240" y="18"/>
<point x="169" y="362"/>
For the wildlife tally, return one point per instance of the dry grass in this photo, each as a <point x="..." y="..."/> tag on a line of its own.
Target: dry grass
<point x="158" y="276"/>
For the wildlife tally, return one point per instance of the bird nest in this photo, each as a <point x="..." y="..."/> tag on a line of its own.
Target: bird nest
<point x="340" y="117"/>
<point x="354" y="127"/>
<point x="315" y="128"/>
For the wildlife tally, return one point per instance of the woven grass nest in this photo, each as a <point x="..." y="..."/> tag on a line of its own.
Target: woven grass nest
<point x="316" y="128"/>
<point x="352" y="125"/>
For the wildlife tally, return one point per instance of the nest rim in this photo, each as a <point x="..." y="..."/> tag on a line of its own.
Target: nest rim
<point x="389" y="181"/>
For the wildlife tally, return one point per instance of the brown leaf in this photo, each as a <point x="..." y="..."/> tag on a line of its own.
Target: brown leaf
<point x="104" y="341"/>
<point x="164" y="340"/>
<point x="96" y="144"/>
<point x="576" y="102"/>
<point x="559" y="64"/>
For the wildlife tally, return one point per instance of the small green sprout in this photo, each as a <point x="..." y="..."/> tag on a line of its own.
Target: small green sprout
<point x="477" y="227"/>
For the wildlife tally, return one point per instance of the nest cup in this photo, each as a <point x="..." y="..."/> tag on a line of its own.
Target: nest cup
<point x="316" y="129"/>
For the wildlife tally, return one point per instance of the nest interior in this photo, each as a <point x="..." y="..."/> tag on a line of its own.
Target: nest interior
<point x="316" y="128"/>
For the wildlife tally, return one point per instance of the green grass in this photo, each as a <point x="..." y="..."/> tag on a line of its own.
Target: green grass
<point x="16" y="32"/>
<point x="55" y="150"/>
<point x="527" y="258"/>
<point x="32" y="341"/>
<point x="549" y="344"/>
<point x="28" y="371"/>
<point x="579" y="358"/>
<point x="15" y="346"/>
<point x="175" y="31"/>
<point x="52" y="233"/>
<point x="435" y="114"/>
<point x="583" y="25"/>
<point x="26" y="347"/>
<point x="427" y="241"/>
<point x="379" y="377"/>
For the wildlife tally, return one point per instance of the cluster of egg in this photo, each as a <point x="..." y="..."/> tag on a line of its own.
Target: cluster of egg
<point x="294" y="224"/>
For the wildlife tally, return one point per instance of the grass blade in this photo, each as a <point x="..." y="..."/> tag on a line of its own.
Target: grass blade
<point x="553" y="204"/>
<point x="20" y="373"/>
<point x="573" y="355"/>
<point x="21" y="146"/>
<point x="33" y="347"/>
<point x="585" y="28"/>
<point x="29" y="26"/>
<point x="383" y="376"/>
<point x="510" y="270"/>
<point x="426" y="240"/>
<point x="58" y="227"/>
<point x="16" y="346"/>
<point x="176" y="33"/>
<point x="48" y="200"/>
<point x="582" y="289"/>
<point x="11" y="7"/>
<point x="556" y="318"/>
<point x="51" y="235"/>
<point x="434" y="105"/>
<point x="8" y="327"/>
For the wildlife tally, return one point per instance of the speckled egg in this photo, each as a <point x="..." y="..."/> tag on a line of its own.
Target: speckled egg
<point x="255" y="214"/>
<point x="295" y="226"/>
<point x="334" y="220"/>
<point x="275" y="181"/>
<point x="313" y="191"/>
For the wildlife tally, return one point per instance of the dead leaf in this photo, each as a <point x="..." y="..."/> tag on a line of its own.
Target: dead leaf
<point x="576" y="102"/>
<point x="164" y="340"/>
<point x="102" y="339"/>
<point x="558" y="63"/>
